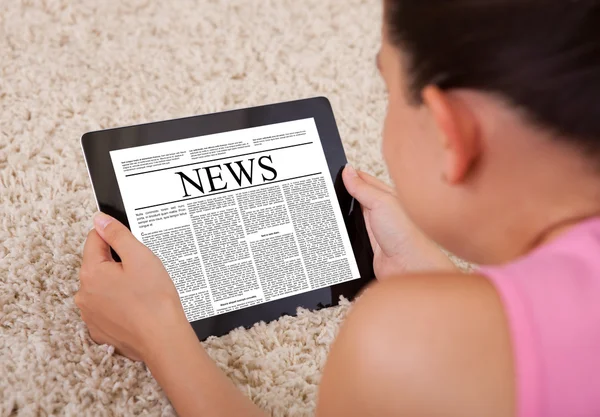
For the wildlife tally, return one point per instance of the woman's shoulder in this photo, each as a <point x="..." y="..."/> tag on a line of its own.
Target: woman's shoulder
<point x="430" y="344"/>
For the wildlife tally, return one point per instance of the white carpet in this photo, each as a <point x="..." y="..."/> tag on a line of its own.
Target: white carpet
<point x="67" y="67"/>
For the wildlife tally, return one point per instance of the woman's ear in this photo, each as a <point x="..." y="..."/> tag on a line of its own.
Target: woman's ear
<point x="458" y="131"/>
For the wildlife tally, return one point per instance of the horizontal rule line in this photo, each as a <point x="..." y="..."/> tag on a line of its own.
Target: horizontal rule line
<point x="219" y="159"/>
<point x="228" y="191"/>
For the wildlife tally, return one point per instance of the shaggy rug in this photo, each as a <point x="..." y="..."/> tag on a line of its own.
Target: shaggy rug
<point x="68" y="67"/>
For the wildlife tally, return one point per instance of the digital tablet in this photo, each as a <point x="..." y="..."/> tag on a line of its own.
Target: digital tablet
<point x="246" y="209"/>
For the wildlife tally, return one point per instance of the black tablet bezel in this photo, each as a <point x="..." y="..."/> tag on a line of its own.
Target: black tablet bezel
<point x="97" y="146"/>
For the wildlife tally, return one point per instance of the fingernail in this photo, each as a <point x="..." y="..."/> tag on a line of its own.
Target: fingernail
<point x="101" y="220"/>
<point x="351" y="170"/>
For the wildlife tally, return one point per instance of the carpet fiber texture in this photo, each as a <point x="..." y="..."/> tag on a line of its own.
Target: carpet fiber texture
<point x="68" y="67"/>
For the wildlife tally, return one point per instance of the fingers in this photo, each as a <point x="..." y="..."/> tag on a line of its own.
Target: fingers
<point x="367" y="194"/>
<point x="372" y="239"/>
<point x="376" y="182"/>
<point x="115" y="234"/>
<point x="95" y="249"/>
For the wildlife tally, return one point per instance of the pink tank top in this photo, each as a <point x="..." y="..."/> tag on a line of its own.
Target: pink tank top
<point x="552" y="301"/>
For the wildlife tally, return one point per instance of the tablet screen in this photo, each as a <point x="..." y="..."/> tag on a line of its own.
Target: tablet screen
<point x="238" y="218"/>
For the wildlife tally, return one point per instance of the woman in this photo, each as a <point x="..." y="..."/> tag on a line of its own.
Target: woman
<point x="492" y="138"/>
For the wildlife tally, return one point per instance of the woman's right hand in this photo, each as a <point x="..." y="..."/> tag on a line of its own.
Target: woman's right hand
<point x="399" y="246"/>
<point x="130" y="304"/>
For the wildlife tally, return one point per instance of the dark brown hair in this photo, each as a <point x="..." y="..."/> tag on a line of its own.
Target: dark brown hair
<point x="542" y="56"/>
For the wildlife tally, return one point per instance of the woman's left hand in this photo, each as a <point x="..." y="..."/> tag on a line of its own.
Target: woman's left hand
<point x="125" y="304"/>
<point x="399" y="247"/>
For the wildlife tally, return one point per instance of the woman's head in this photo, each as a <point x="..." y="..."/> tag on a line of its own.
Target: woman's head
<point x="486" y="96"/>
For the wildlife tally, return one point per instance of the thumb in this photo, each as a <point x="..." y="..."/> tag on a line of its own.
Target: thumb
<point x="366" y="194"/>
<point x="115" y="234"/>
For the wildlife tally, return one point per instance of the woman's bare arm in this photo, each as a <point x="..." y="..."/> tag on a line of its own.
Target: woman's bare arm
<point x="192" y="381"/>
<point x="422" y="346"/>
